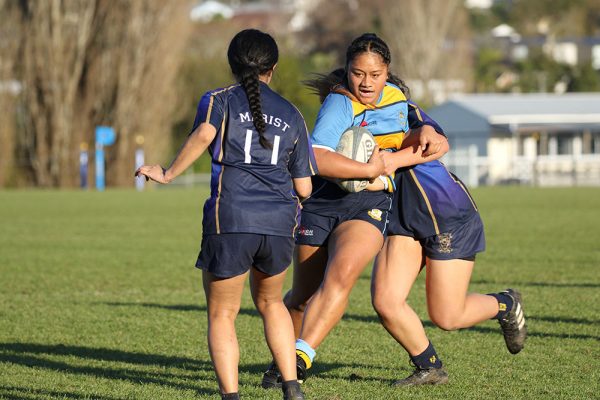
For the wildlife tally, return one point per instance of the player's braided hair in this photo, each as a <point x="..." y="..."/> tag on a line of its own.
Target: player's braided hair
<point x="337" y="80"/>
<point x="252" y="53"/>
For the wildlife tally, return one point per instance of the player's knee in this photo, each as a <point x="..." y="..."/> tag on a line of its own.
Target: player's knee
<point x="223" y="314"/>
<point x="263" y="304"/>
<point x="445" y="321"/>
<point x="342" y="278"/>
<point x="387" y="307"/>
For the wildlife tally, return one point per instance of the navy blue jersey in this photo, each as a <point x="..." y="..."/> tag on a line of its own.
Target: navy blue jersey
<point x="417" y="118"/>
<point x="429" y="199"/>
<point x="251" y="186"/>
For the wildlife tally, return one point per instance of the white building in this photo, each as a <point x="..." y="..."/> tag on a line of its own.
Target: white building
<point x="206" y="11"/>
<point x="542" y="139"/>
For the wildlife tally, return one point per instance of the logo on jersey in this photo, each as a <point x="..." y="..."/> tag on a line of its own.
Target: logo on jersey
<point x="303" y="231"/>
<point x="401" y="116"/>
<point x="375" y="214"/>
<point x="445" y="243"/>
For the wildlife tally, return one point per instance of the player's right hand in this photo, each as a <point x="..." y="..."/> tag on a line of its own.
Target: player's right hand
<point x="152" y="172"/>
<point x="376" y="165"/>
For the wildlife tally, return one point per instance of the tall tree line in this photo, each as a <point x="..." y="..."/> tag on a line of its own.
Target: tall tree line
<point x="81" y="64"/>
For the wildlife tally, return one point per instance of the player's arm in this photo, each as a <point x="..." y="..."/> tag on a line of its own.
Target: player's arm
<point x="412" y="155"/>
<point x="208" y="117"/>
<point x="303" y="187"/>
<point x="194" y="146"/>
<point x="424" y="130"/>
<point x="334" y="165"/>
<point x="335" y="115"/>
<point x="302" y="164"/>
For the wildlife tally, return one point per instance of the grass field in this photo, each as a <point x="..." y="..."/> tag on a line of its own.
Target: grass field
<point x="99" y="300"/>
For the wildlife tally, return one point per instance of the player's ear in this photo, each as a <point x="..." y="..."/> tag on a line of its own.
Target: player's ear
<point x="267" y="76"/>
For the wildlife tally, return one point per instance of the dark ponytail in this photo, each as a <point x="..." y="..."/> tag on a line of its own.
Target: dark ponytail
<point x="252" y="53"/>
<point x="337" y="80"/>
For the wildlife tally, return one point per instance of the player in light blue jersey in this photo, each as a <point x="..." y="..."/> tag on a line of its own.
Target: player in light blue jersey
<point x="341" y="232"/>
<point x="262" y="162"/>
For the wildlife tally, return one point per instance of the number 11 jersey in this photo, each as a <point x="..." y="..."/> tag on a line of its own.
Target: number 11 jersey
<point x="251" y="186"/>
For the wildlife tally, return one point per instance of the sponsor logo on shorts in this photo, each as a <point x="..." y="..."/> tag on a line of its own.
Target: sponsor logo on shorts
<point x="445" y="243"/>
<point x="304" y="231"/>
<point x="375" y="214"/>
<point x="401" y="115"/>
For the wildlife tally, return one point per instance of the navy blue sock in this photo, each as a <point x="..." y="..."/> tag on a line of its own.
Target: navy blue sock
<point x="505" y="303"/>
<point x="230" y="396"/>
<point x="427" y="359"/>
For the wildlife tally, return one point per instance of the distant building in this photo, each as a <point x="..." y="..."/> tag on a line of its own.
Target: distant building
<point x="541" y="139"/>
<point x="208" y="10"/>
<point x="479" y="3"/>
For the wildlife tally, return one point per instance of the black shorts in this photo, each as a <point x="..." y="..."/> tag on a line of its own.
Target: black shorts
<point x="461" y="242"/>
<point x="320" y="216"/>
<point x="231" y="254"/>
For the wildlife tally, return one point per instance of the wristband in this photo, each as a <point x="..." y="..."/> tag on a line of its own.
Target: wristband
<point x="384" y="179"/>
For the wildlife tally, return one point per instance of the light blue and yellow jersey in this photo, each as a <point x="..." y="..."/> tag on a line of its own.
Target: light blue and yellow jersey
<point x="387" y="120"/>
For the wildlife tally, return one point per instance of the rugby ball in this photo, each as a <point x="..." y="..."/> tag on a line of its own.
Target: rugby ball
<point x="356" y="143"/>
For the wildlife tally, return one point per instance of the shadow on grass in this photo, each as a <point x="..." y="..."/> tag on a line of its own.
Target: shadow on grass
<point x="539" y="284"/>
<point x="325" y="370"/>
<point x="39" y="356"/>
<point x="567" y="320"/>
<point x="374" y="319"/>
<point x="24" y="393"/>
<point x="483" y="329"/>
<point x="177" y="307"/>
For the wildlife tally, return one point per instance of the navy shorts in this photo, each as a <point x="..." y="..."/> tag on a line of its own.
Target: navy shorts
<point x="319" y="217"/>
<point x="231" y="254"/>
<point x="462" y="242"/>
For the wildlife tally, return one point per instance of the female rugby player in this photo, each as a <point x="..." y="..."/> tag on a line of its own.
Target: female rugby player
<point x="433" y="216"/>
<point x="261" y="165"/>
<point x="340" y="231"/>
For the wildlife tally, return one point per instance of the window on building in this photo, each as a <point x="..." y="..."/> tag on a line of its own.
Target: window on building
<point x="596" y="142"/>
<point x="565" y="144"/>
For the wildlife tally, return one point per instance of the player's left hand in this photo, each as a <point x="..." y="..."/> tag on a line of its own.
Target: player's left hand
<point x="430" y="141"/>
<point x="154" y="172"/>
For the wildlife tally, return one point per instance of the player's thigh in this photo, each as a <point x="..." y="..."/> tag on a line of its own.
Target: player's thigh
<point x="352" y="246"/>
<point x="266" y="289"/>
<point x="309" y="269"/>
<point x="447" y="283"/>
<point x="223" y="295"/>
<point x="396" y="268"/>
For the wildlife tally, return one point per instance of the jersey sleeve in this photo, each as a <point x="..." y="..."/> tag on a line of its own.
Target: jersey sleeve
<point x="334" y="118"/>
<point x="302" y="160"/>
<point x="417" y="118"/>
<point x="210" y="110"/>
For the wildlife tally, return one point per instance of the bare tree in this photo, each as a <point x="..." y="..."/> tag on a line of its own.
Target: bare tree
<point x="10" y="32"/>
<point x="428" y="39"/>
<point x="92" y="62"/>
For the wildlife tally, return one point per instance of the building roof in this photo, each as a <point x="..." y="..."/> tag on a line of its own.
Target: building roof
<point x="532" y="108"/>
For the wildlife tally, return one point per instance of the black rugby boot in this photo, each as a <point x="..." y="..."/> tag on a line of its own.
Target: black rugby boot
<point x="272" y="377"/>
<point x="424" y="376"/>
<point x="513" y="323"/>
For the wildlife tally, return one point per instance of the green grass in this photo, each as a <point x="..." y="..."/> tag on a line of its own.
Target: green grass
<point x="99" y="299"/>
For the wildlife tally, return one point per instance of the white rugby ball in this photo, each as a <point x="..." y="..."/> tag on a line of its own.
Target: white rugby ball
<point x="356" y="143"/>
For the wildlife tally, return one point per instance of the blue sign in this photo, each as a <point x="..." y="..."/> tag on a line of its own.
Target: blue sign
<point x="105" y="136"/>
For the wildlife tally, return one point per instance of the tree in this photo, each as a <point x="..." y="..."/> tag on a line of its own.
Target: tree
<point x="86" y="63"/>
<point x="429" y="39"/>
